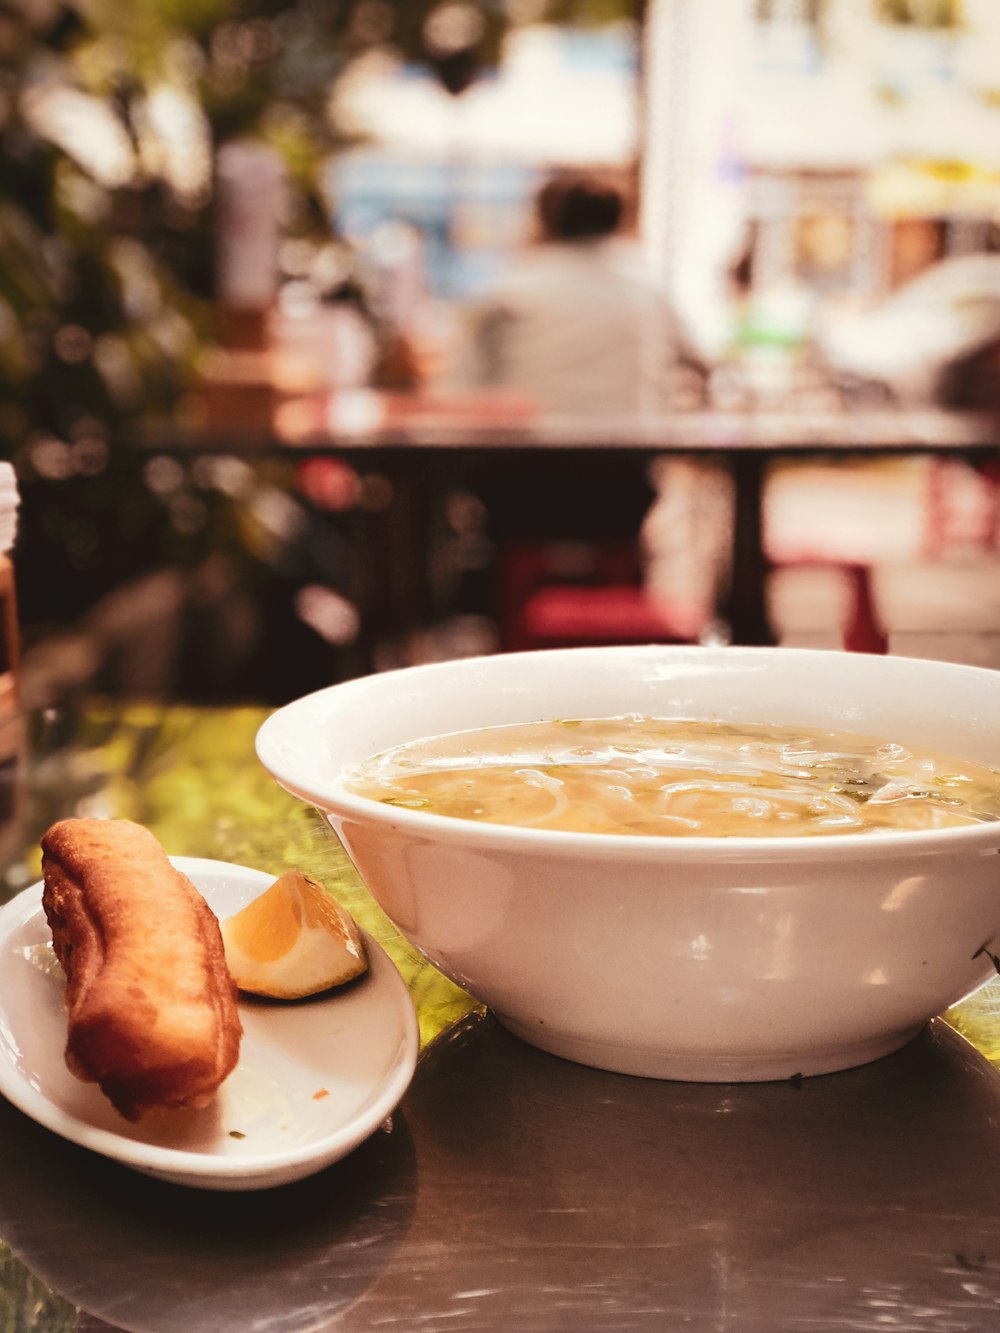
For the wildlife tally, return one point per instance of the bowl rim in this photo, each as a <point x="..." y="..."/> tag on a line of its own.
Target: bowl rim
<point x="334" y="799"/>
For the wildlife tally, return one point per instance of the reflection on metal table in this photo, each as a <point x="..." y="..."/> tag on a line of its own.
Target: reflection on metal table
<point x="511" y="1189"/>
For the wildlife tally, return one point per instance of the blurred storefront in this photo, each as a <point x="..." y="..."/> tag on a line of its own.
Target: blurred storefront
<point x="836" y="148"/>
<point x="461" y="169"/>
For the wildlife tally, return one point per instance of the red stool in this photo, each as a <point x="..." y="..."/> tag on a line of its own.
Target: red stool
<point x="575" y="594"/>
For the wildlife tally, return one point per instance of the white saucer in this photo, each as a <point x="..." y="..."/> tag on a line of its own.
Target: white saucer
<point x="314" y="1079"/>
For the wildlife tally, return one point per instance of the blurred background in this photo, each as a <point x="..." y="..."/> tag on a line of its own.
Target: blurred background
<point x="235" y="234"/>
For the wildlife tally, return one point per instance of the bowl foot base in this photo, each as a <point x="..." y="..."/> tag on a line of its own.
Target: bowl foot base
<point x="707" y="1068"/>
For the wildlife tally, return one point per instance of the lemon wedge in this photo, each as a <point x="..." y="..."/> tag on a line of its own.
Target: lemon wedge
<point x="292" y="941"/>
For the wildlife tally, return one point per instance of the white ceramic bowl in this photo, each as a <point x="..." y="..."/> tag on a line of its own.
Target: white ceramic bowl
<point x="695" y="958"/>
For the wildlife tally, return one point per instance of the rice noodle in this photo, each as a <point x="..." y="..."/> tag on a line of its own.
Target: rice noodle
<point x="637" y="775"/>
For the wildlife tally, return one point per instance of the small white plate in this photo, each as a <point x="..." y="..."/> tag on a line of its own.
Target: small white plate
<point x="314" y="1079"/>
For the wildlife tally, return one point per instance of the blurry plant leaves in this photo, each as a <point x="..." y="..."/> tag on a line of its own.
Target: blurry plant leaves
<point x="28" y="279"/>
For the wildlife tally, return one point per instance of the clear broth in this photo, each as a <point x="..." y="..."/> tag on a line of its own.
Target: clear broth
<point x="646" y="775"/>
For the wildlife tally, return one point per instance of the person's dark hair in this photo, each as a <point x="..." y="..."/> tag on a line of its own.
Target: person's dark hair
<point x="579" y="207"/>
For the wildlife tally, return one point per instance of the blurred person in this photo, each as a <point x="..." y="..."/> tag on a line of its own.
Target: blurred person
<point x="577" y="322"/>
<point x="580" y="325"/>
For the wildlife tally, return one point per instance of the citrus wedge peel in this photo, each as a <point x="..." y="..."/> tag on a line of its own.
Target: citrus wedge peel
<point x="292" y="941"/>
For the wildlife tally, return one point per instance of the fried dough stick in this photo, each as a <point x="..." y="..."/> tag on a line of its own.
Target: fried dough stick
<point x="150" y="1002"/>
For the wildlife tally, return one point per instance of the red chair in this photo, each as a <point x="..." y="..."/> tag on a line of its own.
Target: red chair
<point x="575" y="594"/>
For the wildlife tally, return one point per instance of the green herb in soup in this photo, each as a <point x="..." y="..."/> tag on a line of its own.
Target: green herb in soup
<point x="648" y="775"/>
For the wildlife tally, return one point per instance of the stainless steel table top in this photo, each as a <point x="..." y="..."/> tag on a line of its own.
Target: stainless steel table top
<point x="511" y="1190"/>
<point x="515" y="1191"/>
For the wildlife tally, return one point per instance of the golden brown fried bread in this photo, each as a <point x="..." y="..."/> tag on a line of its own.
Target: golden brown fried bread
<point x="151" y="1005"/>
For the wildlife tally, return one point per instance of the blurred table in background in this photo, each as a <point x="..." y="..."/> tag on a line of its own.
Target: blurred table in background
<point x="427" y="447"/>
<point x="511" y="1190"/>
<point x="261" y="560"/>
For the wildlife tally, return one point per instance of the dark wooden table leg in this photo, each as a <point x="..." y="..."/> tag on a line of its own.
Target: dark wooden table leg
<point x="746" y="609"/>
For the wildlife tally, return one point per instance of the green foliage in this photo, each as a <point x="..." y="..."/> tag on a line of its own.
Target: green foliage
<point x="110" y="116"/>
<point x="98" y="305"/>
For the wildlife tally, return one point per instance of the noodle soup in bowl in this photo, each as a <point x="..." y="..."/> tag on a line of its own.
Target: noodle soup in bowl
<point x="713" y="864"/>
